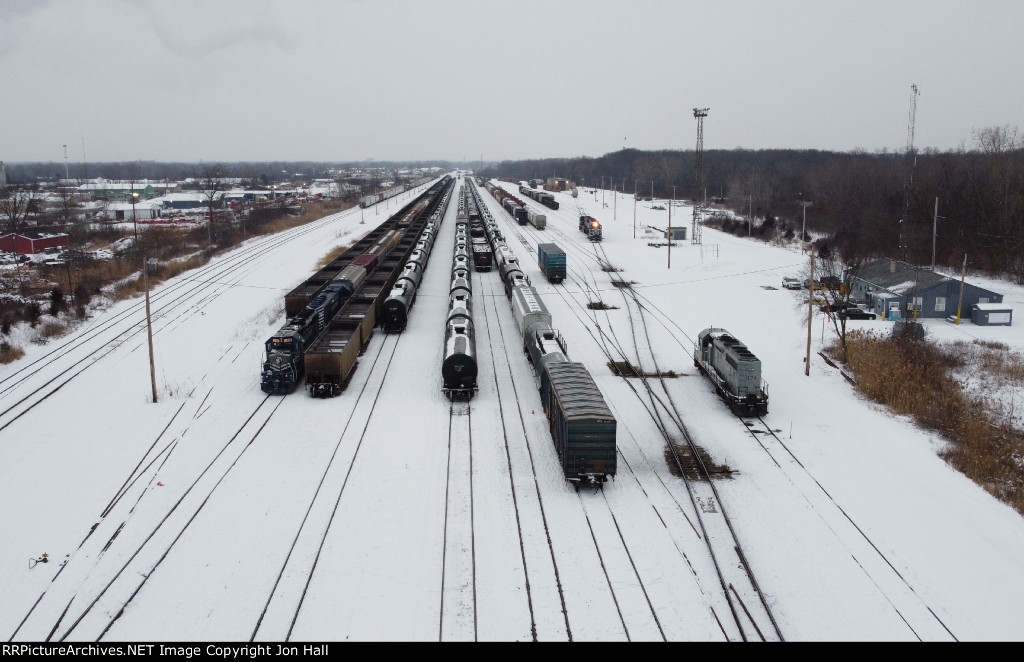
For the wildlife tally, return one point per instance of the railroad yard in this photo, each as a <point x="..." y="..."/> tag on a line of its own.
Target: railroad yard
<point x="393" y="513"/>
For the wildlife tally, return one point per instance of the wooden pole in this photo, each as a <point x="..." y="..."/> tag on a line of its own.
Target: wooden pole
<point x="669" y="234"/>
<point x="634" y="209"/>
<point x="963" y="274"/>
<point x="149" y="326"/>
<point x="810" y="313"/>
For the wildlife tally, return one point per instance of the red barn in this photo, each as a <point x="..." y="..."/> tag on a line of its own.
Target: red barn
<point x="30" y="243"/>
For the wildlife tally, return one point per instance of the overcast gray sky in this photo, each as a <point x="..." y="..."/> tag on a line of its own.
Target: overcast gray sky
<point x="333" y="80"/>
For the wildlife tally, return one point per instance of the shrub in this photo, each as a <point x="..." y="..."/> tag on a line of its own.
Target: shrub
<point x="914" y="378"/>
<point x="32" y="313"/>
<point x="9" y="352"/>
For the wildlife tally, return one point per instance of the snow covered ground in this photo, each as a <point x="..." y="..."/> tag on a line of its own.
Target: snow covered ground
<point x="388" y="514"/>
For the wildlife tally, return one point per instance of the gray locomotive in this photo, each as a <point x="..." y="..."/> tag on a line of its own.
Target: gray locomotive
<point x="733" y="369"/>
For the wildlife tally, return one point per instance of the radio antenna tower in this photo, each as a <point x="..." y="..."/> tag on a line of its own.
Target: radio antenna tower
<point x="911" y="163"/>
<point x="698" y="176"/>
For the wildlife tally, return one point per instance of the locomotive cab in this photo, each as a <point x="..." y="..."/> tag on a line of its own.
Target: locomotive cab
<point x="281" y="367"/>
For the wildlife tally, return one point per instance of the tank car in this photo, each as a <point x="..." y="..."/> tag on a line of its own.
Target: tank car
<point x="734" y="371"/>
<point x="544" y="345"/>
<point x="459" y="368"/>
<point x="394" y="314"/>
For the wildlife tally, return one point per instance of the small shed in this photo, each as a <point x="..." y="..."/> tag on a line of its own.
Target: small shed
<point x="991" y="314"/>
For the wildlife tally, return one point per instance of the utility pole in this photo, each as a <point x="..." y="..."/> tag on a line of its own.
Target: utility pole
<point x="963" y="274"/>
<point x="935" y="228"/>
<point x="634" y="209"/>
<point x="669" y="234"/>
<point x="67" y="263"/>
<point x="810" y="314"/>
<point x="803" y="233"/>
<point x="615" y="204"/>
<point x="134" y="222"/>
<point x="149" y="325"/>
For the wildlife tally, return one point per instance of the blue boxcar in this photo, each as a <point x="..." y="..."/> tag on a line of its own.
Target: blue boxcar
<point x="551" y="260"/>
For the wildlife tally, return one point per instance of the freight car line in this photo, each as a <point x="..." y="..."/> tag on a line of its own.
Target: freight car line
<point x="601" y="339"/>
<point x="616" y="535"/>
<point x="654" y="413"/>
<point x="121" y="572"/>
<point x="829" y="501"/>
<point x="691" y="491"/>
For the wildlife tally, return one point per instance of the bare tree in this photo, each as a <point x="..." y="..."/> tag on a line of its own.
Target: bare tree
<point x="15" y="204"/>
<point x="211" y="185"/>
<point x="833" y="277"/>
<point x="66" y="203"/>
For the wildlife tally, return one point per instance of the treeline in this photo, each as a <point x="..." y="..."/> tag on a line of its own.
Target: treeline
<point x="872" y="205"/>
<point x="257" y="172"/>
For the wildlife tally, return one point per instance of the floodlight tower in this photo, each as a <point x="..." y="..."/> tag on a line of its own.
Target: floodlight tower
<point x="698" y="176"/>
<point x="911" y="162"/>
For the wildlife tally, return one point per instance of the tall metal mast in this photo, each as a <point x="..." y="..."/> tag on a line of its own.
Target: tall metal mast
<point x="911" y="163"/>
<point x="698" y="177"/>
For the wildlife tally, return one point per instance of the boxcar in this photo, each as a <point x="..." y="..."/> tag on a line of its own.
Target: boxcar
<point x="551" y="260"/>
<point x="582" y="426"/>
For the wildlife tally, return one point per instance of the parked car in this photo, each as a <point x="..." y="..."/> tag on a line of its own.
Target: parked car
<point x="791" y="283"/>
<point x="854" y="313"/>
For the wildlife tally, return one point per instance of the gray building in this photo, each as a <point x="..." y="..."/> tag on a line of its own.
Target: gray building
<point x="991" y="314"/>
<point x="897" y="290"/>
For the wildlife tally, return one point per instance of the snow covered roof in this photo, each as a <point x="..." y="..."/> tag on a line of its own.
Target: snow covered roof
<point x="898" y="277"/>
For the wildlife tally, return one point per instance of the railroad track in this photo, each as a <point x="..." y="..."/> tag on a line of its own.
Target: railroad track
<point x="38" y="379"/>
<point x="458" y="608"/>
<point x="911" y="606"/>
<point x="738" y="594"/>
<point x="297" y="573"/>
<point x="145" y="550"/>
<point x="531" y="519"/>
